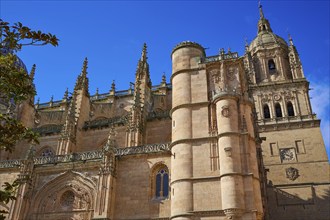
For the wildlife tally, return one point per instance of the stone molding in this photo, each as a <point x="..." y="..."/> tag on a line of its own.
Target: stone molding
<point x="211" y="177"/>
<point x="185" y="71"/>
<point x="205" y="213"/>
<point x="190" y="140"/>
<point x="188" y="105"/>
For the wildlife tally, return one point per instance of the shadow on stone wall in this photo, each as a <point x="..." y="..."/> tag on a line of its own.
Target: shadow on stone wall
<point x="298" y="201"/>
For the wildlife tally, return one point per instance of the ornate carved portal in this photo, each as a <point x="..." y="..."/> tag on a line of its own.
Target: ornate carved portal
<point x="67" y="197"/>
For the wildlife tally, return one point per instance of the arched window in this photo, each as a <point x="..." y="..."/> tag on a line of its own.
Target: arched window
<point x="46" y="152"/>
<point x="271" y="66"/>
<point x="289" y="106"/>
<point x="160" y="182"/>
<point x="266" y="111"/>
<point x="278" y="110"/>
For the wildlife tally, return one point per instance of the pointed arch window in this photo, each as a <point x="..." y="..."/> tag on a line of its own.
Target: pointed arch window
<point x="266" y="111"/>
<point x="271" y="66"/>
<point x="290" y="109"/>
<point x="46" y="152"/>
<point x="160" y="183"/>
<point x="278" y="110"/>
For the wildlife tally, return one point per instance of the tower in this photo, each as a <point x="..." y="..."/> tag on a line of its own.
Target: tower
<point x="212" y="123"/>
<point x="291" y="130"/>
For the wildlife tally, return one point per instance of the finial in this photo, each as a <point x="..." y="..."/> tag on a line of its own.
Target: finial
<point x="38" y="101"/>
<point x="164" y="78"/>
<point x="246" y="44"/>
<point x="260" y="9"/>
<point x="144" y="52"/>
<point x="51" y="101"/>
<point x="290" y="39"/>
<point x="84" y="68"/>
<point x="66" y="94"/>
<point x="32" y="72"/>
<point x="113" y="85"/>
<point x="97" y="92"/>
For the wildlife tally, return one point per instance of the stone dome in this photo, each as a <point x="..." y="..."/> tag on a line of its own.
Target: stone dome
<point x="268" y="39"/>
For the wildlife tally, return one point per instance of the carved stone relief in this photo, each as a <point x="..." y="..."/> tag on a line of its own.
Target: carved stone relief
<point x="292" y="173"/>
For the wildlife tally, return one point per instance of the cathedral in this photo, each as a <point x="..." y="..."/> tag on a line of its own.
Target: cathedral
<point x="226" y="137"/>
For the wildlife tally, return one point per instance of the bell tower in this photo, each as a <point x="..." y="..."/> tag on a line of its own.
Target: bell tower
<point x="293" y="140"/>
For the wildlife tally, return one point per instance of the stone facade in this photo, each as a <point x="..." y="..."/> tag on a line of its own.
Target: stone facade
<point x="230" y="137"/>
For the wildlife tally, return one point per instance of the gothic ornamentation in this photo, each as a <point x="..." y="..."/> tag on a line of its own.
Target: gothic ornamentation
<point x="215" y="75"/>
<point x="277" y="97"/>
<point x="292" y="173"/>
<point x="225" y="111"/>
<point x="231" y="73"/>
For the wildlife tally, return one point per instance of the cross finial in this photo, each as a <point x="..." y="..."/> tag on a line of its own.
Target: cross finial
<point x="260" y="9"/>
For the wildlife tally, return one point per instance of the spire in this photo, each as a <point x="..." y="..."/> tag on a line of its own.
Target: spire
<point x="32" y="72"/>
<point x="82" y="80"/>
<point x="66" y="94"/>
<point x="84" y="68"/>
<point x="263" y="24"/>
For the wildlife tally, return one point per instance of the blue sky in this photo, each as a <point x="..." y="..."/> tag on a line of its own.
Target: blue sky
<point x="111" y="35"/>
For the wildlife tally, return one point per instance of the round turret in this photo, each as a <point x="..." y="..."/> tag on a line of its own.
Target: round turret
<point x="186" y="55"/>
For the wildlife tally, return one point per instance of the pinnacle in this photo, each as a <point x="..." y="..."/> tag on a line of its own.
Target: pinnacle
<point x="144" y="53"/>
<point x="32" y="72"/>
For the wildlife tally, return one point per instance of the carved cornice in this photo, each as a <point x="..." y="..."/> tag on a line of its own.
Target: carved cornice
<point x="49" y="129"/>
<point x="105" y="122"/>
<point x="158" y="115"/>
<point x="10" y="164"/>
<point x="288" y="123"/>
<point x="144" y="149"/>
<point x="88" y="156"/>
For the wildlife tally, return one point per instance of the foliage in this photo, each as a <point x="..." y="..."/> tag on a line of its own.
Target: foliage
<point x="16" y="87"/>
